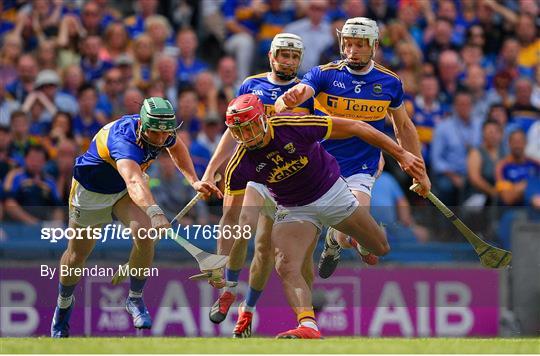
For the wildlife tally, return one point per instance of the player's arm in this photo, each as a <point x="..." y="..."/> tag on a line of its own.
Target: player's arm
<point x="223" y="152"/>
<point x="293" y="97"/>
<point x="139" y="191"/>
<point x="407" y="136"/>
<point x="182" y="160"/>
<point x="344" y="128"/>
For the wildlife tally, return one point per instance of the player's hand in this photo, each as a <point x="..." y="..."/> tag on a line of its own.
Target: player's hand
<point x="413" y="166"/>
<point x="207" y="188"/>
<point x="424" y="186"/>
<point x="160" y="221"/>
<point x="291" y="98"/>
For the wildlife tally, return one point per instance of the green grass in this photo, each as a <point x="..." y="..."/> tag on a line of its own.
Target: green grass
<point x="343" y="345"/>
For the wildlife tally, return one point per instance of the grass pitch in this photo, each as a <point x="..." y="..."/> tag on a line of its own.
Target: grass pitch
<point x="345" y="345"/>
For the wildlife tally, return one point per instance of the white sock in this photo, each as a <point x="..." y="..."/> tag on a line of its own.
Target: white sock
<point x="247" y="308"/>
<point x="64" y="302"/>
<point x="310" y="324"/>
<point x="231" y="289"/>
<point x="133" y="294"/>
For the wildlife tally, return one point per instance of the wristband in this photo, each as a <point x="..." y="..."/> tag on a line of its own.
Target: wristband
<point x="154" y="210"/>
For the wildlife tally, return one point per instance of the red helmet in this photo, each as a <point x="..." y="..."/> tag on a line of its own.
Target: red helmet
<point x="246" y="120"/>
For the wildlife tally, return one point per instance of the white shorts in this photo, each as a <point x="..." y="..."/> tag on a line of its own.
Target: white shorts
<point x="88" y="208"/>
<point x="361" y="182"/>
<point x="337" y="204"/>
<point x="270" y="206"/>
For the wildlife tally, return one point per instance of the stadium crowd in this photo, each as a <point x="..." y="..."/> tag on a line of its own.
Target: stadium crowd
<point x="470" y="70"/>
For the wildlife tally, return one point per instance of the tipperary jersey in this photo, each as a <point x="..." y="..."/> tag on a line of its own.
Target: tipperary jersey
<point x="366" y="97"/>
<point x="268" y="91"/>
<point x="293" y="165"/>
<point x="96" y="169"/>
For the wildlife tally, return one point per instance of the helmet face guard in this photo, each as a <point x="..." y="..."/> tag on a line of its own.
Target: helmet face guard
<point x="246" y="120"/>
<point x="285" y="41"/>
<point x="358" y="27"/>
<point x="157" y="114"/>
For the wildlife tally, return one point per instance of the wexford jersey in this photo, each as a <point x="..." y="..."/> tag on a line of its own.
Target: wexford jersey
<point x="294" y="166"/>
<point x="96" y="170"/>
<point x="268" y="91"/>
<point x="366" y="97"/>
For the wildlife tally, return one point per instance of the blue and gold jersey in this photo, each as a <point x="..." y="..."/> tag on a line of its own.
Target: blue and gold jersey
<point x="366" y="97"/>
<point x="96" y="169"/>
<point x="268" y="92"/>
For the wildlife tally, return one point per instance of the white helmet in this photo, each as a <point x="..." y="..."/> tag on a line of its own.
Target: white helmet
<point x="359" y="27"/>
<point x="286" y="41"/>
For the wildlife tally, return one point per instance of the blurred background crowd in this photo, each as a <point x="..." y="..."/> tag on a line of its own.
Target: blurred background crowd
<point x="470" y="69"/>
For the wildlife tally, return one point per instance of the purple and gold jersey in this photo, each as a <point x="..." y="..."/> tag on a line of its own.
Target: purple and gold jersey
<point x="96" y="169"/>
<point x="294" y="166"/>
<point x="268" y="91"/>
<point x="366" y="97"/>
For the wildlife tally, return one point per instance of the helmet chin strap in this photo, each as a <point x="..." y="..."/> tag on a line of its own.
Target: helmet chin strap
<point x="282" y="75"/>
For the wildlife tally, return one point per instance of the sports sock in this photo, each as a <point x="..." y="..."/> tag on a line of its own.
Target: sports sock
<point x="251" y="299"/>
<point x="65" y="295"/>
<point x="333" y="243"/>
<point x="307" y="319"/>
<point x="136" y="286"/>
<point x="231" y="276"/>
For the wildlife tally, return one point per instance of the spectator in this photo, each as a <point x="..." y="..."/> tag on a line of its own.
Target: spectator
<point x="452" y="140"/>
<point x="9" y="56"/>
<point x="166" y="69"/>
<point x="228" y="77"/>
<point x="188" y="63"/>
<point x="513" y="171"/>
<point x="143" y="10"/>
<point x="409" y="61"/>
<point x="69" y="39"/>
<point x="27" y="70"/>
<point x="523" y="113"/>
<point x="481" y="162"/>
<point x="67" y="152"/>
<point x="110" y="100"/>
<point x="93" y="67"/>
<point x="315" y="33"/>
<point x="7" y="106"/>
<point x="88" y="121"/>
<point x="380" y="11"/>
<point x="390" y="207"/>
<point x="242" y="24"/>
<point x="72" y="80"/>
<point x="20" y="136"/>
<point x="428" y="113"/>
<point x="116" y="42"/>
<point x="132" y="102"/>
<point x="61" y="130"/>
<point x="207" y="94"/>
<point x="409" y="14"/>
<point x="508" y="59"/>
<point x="186" y="113"/>
<point x="160" y="31"/>
<point x="92" y="18"/>
<point x="6" y="163"/>
<point x="533" y="141"/>
<point x="202" y="148"/>
<point x="47" y="55"/>
<point x="273" y="21"/>
<point x="475" y="82"/>
<point x="535" y="96"/>
<point x="172" y="191"/>
<point x="526" y="33"/>
<point x="449" y="69"/>
<point x="31" y="195"/>
<point x="441" y="41"/>
<point x="125" y="64"/>
<point x="48" y="83"/>
<point x="500" y="92"/>
<point x="143" y="67"/>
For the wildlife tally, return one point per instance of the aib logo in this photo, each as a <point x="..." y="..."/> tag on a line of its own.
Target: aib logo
<point x="332" y="101"/>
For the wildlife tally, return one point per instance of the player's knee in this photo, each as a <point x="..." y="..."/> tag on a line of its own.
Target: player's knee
<point x="285" y="268"/>
<point x="76" y="257"/>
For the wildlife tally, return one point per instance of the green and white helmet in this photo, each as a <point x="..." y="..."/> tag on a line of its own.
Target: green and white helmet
<point x="157" y="114"/>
